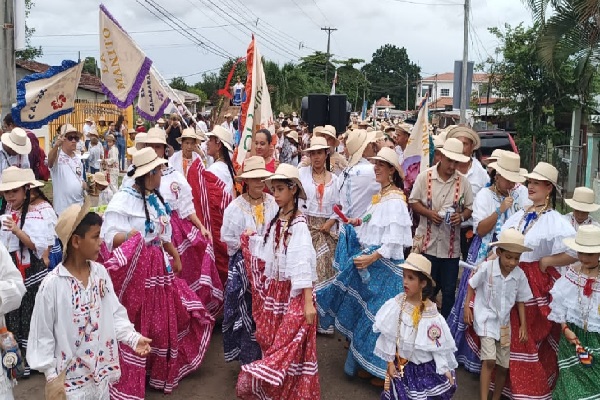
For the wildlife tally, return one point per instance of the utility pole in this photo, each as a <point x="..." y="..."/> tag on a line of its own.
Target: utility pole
<point x="465" y="64"/>
<point x="8" y="73"/>
<point x="329" y="30"/>
<point x="407" y="91"/>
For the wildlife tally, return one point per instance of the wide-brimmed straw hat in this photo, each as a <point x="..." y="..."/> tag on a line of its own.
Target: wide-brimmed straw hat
<point x="357" y="142"/>
<point x="464" y="131"/>
<point x="363" y="123"/>
<point x="225" y="136"/>
<point x="418" y="262"/>
<point x="328" y="130"/>
<point x="317" y="143"/>
<point x="144" y="161"/>
<point x="254" y="167"/>
<point x="511" y="240"/>
<point x="583" y="200"/>
<point x="439" y="140"/>
<point x="161" y="121"/>
<point x="100" y="178"/>
<point x="493" y="157"/>
<point x="189" y="133"/>
<point x="292" y="135"/>
<point x="544" y="172"/>
<point x="227" y="115"/>
<point x="110" y="137"/>
<point x="389" y="156"/>
<point x="93" y="132"/>
<point x="139" y="122"/>
<point x="69" y="220"/>
<point x="130" y="131"/>
<point x="286" y="172"/>
<point x="587" y="240"/>
<point x="404" y="127"/>
<point x="153" y="136"/>
<point x="15" y="177"/>
<point x="66" y="129"/>
<point x="17" y="141"/>
<point x="453" y="149"/>
<point x="88" y="119"/>
<point x="509" y="167"/>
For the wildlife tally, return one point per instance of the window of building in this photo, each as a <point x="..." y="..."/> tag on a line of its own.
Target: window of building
<point x="445" y="92"/>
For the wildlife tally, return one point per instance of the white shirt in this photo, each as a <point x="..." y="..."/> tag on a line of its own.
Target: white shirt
<point x="356" y="186"/>
<point x="202" y="126"/>
<point x="312" y="206"/>
<point x="400" y="153"/>
<point x="478" y="178"/>
<point x="496" y="296"/>
<point x="96" y="155"/>
<point x="571" y="219"/>
<point x="228" y="126"/>
<point x="487" y="202"/>
<point x="176" y="161"/>
<point x="18" y="160"/>
<point x="105" y="196"/>
<point x="86" y="130"/>
<point x="221" y="171"/>
<point x="67" y="180"/>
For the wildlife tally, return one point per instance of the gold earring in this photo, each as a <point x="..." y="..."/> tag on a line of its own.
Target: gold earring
<point x="548" y="200"/>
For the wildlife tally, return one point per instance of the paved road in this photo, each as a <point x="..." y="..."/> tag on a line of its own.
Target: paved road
<point x="215" y="380"/>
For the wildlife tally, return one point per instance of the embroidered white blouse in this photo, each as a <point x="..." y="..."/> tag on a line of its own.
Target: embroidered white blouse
<point x="176" y="161"/>
<point x="78" y="328"/>
<point x="221" y="171"/>
<point x="177" y="192"/>
<point x="571" y="219"/>
<point x="314" y="206"/>
<point x="356" y="186"/>
<point x="487" y="202"/>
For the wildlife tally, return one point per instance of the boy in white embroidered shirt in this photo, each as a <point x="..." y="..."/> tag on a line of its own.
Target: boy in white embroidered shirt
<point x="499" y="284"/>
<point x="76" y="346"/>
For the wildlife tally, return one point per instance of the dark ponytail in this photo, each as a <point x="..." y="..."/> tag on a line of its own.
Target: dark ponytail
<point x="227" y="160"/>
<point x="24" y="210"/>
<point x="397" y="180"/>
<point x="427" y="291"/>
<point x="141" y="184"/>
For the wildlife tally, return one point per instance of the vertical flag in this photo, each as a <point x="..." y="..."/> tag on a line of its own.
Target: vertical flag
<point x="333" y="83"/>
<point x="153" y="99"/>
<point x="363" y="115"/>
<point x="416" y="154"/>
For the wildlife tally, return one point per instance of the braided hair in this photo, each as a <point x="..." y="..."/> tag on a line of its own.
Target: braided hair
<point x="141" y="184"/>
<point x="286" y="233"/>
<point x="24" y="210"/>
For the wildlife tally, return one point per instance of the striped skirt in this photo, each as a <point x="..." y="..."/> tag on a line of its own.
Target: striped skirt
<point x="324" y="244"/>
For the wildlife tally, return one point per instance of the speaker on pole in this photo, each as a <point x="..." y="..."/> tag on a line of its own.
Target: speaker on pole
<point x="338" y="115"/>
<point x="318" y="113"/>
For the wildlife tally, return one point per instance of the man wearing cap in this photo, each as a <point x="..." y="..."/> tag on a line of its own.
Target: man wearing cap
<point x="66" y="169"/>
<point x="357" y="185"/>
<point x="443" y="198"/>
<point x="228" y="123"/>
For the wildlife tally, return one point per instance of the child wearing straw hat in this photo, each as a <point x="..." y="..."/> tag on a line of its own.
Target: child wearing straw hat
<point x="78" y="321"/>
<point x="414" y="339"/>
<point x="105" y="193"/>
<point x="112" y="163"/>
<point x="576" y="307"/>
<point x="499" y="284"/>
<point x="582" y="204"/>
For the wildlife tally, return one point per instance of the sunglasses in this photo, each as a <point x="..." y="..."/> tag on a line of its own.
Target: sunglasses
<point x="72" y="138"/>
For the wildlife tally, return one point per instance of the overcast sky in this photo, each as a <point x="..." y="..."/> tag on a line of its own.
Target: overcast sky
<point x="430" y="30"/>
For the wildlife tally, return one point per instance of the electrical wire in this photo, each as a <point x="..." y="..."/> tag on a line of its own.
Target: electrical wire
<point x="243" y="41"/>
<point x="305" y="14"/>
<point x="129" y="32"/>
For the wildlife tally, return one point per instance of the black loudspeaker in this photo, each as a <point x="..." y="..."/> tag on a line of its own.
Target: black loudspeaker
<point x="304" y="109"/>
<point x="318" y="113"/>
<point x="338" y="116"/>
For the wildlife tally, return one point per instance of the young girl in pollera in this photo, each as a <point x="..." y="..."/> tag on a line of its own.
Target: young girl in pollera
<point x="415" y="339"/>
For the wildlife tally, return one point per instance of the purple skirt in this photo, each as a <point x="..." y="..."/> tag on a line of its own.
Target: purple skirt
<point x="420" y="382"/>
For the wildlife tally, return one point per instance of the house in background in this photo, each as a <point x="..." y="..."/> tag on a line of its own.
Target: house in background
<point x="441" y="89"/>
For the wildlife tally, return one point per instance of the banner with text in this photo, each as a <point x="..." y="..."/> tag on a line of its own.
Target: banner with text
<point x="153" y="99"/>
<point x="416" y="154"/>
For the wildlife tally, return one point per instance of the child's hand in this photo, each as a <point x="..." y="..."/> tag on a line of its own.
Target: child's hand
<point x="362" y="262"/>
<point x="523" y="333"/>
<point x="450" y="377"/>
<point x="310" y="312"/>
<point x="391" y="369"/>
<point x="143" y="346"/>
<point x="468" y="315"/>
<point x="176" y="266"/>
<point x="571" y="337"/>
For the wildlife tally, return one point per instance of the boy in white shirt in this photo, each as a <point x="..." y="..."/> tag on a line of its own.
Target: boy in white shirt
<point x="499" y="284"/>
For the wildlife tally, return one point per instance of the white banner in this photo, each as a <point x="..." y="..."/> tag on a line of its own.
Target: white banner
<point x="153" y="99"/>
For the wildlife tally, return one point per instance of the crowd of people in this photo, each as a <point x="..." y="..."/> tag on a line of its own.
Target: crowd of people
<point x="116" y="282"/>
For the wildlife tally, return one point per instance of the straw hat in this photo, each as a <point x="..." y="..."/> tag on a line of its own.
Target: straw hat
<point x="509" y="167"/>
<point x="439" y="140"/>
<point x="223" y="135"/>
<point x="153" y="136"/>
<point x="389" y="156"/>
<point x="493" y="157"/>
<point x="418" y="262"/>
<point x="390" y="128"/>
<point x="511" y="240"/>
<point x="88" y="119"/>
<point x="294" y="114"/>
<point x="93" y="132"/>
<point x="144" y="161"/>
<point x="14" y="177"/>
<point x="286" y="172"/>
<point x="292" y="135"/>
<point x="100" y="178"/>
<point x="404" y="127"/>
<point x="363" y="123"/>
<point x="293" y="123"/>
<point x="189" y="133"/>
<point x="17" y="141"/>
<point x="102" y="118"/>
<point x="286" y="130"/>
<point x="160" y="121"/>
<point x="281" y="115"/>
<point x="464" y="131"/>
<point x="254" y="167"/>
<point x="139" y="122"/>
<point x="130" y="131"/>
<point x="318" y="129"/>
<point x="66" y="129"/>
<point x="583" y="200"/>
<point x="453" y="149"/>
<point x="110" y="137"/>
<point x="544" y="172"/>
<point x="317" y="143"/>
<point x="69" y="220"/>
<point x="357" y="142"/>
<point x="228" y="115"/>
<point x="587" y="240"/>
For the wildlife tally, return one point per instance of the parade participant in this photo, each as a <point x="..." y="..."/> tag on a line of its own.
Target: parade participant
<point x="336" y="163"/>
<point x="575" y="301"/>
<point x="102" y="128"/>
<point x="105" y="193"/>
<point x="414" y="339"/>
<point x="491" y="208"/>
<point x="15" y="154"/>
<point x="443" y="198"/>
<point x="41" y="203"/>
<point x="263" y="141"/>
<point x="137" y="231"/>
<point x="131" y="134"/>
<point x="15" y="149"/>
<point x="228" y="123"/>
<point x="401" y="140"/>
<point x="368" y="275"/>
<point x="219" y="146"/>
<point x="112" y="163"/>
<point x="25" y="234"/>
<point x="357" y="184"/>
<point x="499" y="285"/>
<point x="321" y="195"/>
<point x="438" y="143"/>
<point x="173" y="131"/>
<point x="544" y="229"/>
<point x="160" y="123"/>
<point x="96" y="151"/>
<point x="183" y="159"/>
<point x="475" y="174"/>
<point x="282" y="269"/>
<point x="139" y="125"/>
<point x="66" y="169"/>
<point x="80" y="340"/>
<point x="582" y="204"/>
<point x="289" y="149"/>
<point x="252" y="210"/>
<point x="88" y="125"/>
<point x="120" y="134"/>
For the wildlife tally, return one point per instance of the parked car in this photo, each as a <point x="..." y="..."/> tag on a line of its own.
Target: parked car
<point x="492" y="140"/>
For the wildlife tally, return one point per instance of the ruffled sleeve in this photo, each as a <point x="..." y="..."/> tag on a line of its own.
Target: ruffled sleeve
<point x="434" y="337"/>
<point x="301" y="258"/>
<point x="483" y="206"/>
<point x="37" y="229"/>
<point x="386" y="323"/>
<point x="12" y="288"/>
<point x="233" y="227"/>
<point x="185" y="201"/>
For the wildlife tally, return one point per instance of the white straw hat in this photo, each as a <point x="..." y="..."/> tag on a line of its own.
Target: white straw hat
<point x="144" y="161"/>
<point x="14" y="177"/>
<point x="389" y="156"/>
<point x="357" y="142"/>
<point x="418" y="262"/>
<point x="587" y="240"/>
<point x="317" y="143"/>
<point x="18" y="141"/>
<point x="511" y="240"/>
<point x="509" y="167"/>
<point x="189" y="133"/>
<point x="223" y="135"/>
<point x="153" y="136"/>
<point x="286" y="172"/>
<point x="328" y="130"/>
<point x="292" y="135"/>
<point x="69" y="220"/>
<point x="544" y="172"/>
<point x="439" y="140"/>
<point x="254" y="167"/>
<point x="100" y="177"/>
<point x="583" y="200"/>
<point x="453" y="149"/>
<point x="464" y="131"/>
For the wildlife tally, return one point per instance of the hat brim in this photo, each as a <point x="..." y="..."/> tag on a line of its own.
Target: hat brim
<point x="511" y="176"/>
<point x="462" y="133"/>
<point x="585" y="207"/>
<point x="316" y="148"/>
<point x="454" y="156"/>
<point x="295" y="139"/>
<point x="85" y="209"/>
<point x="572" y="244"/>
<point x="256" y="174"/>
<point x="323" y="133"/>
<point x="21" y="150"/>
<point x="4" y="186"/>
<point x="144" y="169"/>
<point x="276" y="177"/>
<point x="227" y="145"/>
<point x="538" y="177"/>
<point x="412" y="267"/>
<point x="103" y="183"/>
<point x="355" y="157"/>
<point x="512" y="247"/>
<point x="197" y="139"/>
<point x="396" y="165"/>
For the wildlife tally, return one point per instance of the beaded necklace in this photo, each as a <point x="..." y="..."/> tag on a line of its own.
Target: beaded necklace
<point x="530" y="218"/>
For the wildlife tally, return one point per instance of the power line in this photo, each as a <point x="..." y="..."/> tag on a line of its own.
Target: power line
<point x="129" y="32"/>
<point x="225" y="29"/>
<point x="427" y="4"/>
<point x="307" y="16"/>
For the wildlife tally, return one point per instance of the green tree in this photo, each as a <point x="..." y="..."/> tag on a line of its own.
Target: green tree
<point x="387" y="73"/>
<point x="90" y="66"/>
<point x="30" y="52"/>
<point x="240" y="70"/>
<point x="209" y="85"/>
<point x="179" y="83"/>
<point x="351" y="81"/>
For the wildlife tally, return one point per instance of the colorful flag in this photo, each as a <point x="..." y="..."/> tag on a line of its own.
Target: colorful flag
<point x="333" y="84"/>
<point x="256" y="110"/>
<point x="363" y="115"/>
<point x="416" y="153"/>
<point x="46" y="96"/>
<point x="153" y="99"/>
<point x="123" y="65"/>
<point x="374" y="113"/>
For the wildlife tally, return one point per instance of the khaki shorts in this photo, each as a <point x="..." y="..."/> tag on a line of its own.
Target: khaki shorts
<point x="491" y="350"/>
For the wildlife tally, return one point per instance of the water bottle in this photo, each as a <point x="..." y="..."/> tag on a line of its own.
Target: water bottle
<point x="11" y="355"/>
<point x="365" y="275"/>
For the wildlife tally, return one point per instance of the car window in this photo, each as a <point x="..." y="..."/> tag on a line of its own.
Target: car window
<point x="489" y="144"/>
